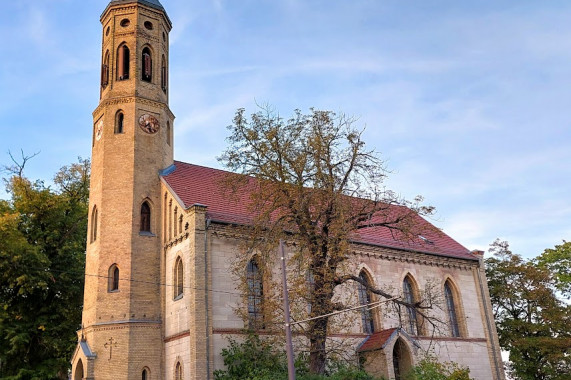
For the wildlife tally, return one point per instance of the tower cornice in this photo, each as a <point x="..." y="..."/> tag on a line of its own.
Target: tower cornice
<point x="131" y="99"/>
<point x="151" y="5"/>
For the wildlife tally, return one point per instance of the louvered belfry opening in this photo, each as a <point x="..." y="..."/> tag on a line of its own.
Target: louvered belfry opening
<point x="147" y="69"/>
<point x="123" y="62"/>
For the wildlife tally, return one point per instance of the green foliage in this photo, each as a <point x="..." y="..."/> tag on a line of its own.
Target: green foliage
<point x="42" y="245"/>
<point x="430" y="369"/>
<point x="558" y="261"/>
<point x="533" y="324"/>
<point x="257" y="359"/>
<point x="251" y="359"/>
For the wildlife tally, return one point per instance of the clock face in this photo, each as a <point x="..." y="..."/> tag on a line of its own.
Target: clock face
<point x="149" y="123"/>
<point x="99" y="130"/>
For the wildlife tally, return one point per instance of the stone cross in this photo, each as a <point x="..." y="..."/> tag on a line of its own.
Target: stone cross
<point x="110" y="345"/>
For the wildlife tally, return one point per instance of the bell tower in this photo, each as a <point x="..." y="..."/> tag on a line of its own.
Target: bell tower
<point x="121" y="335"/>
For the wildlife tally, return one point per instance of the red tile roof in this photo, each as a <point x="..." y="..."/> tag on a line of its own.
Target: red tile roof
<point x="194" y="184"/>
<point x="376" y="340"/>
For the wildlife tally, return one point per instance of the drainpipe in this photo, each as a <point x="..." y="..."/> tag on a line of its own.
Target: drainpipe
<point x="206" y="299"/>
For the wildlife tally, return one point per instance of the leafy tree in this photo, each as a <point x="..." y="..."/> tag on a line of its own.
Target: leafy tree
<point x="558" y="261"/>
<point x="316" y="186"/>
<point x="533" y="324"/>
<point x="42" y="245"/>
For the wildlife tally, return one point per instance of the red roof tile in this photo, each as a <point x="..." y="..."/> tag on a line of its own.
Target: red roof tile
<point x="376" y="340"/>
<point x="194" y="184"/>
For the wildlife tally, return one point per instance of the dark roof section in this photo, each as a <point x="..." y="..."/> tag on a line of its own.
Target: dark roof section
<point x="376" y="340"/>
<point x="194" y="184"/>
<point x="151" y="3"/>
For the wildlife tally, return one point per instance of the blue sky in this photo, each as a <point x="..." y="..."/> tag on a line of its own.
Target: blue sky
<point x="468" y="101"/>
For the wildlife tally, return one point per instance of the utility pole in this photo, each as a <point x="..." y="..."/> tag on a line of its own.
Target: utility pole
<point x="289" y="345"/>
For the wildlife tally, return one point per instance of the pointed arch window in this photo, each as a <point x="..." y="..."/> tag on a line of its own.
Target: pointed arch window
<point x="145" y="374"/>
<point x="411" y="325"/>
<point x="113" y="284"/>
<point x="168" y="133"/>
<point x="147" y="62"/>
<point x="164" y="74"/>
<point x="452" y="310"/>
<point x="365" y="298"/>
<point x="145" y="217"/>
<point x="119" y="122"/>
<point x="123" y="62"/>
<point x="105" y="70"/>
<point x="94" y="215"/>
<point x="178" y="279"/>
<point x="178" y="371"/>
<point x="255" y="295"/>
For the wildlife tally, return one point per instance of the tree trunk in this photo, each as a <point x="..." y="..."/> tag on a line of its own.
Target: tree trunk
<point x="317" y="338"/>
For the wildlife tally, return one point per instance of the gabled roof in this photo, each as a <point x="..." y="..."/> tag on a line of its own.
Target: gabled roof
<point x="380" y="339"/>
<point x="377" y="340"/>
<point x="194" y="184"/>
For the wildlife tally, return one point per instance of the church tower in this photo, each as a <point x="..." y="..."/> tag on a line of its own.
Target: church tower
<point x="121" y="335"/>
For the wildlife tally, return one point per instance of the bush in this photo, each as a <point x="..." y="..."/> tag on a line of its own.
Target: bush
<point x="256" y="359"/>
<point x="430" y="369"/>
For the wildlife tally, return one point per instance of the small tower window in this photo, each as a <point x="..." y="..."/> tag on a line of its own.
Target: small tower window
<point x="164" y="74"/>
<point x="113" y="284"/>
<point x="168" y="133"/>
<point x="145" y="374"/>
<point x="178" y="278"/>
<point x="105" y="70"/>
<point x="107" y="31"/>
<point x="148" y="25"/>
<point x="178" y="372"/>
<point x="94" y="224"/>
<point x="145" y="217"/>
<point x="125" y="22"/>
<point x="119" y="121"/>
<point x="147" y="69"/>
<point x="123" y="62"/>
<point x="180" y="224"/>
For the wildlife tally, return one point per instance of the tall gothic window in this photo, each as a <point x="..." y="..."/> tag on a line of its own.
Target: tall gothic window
<point x="145" y="374"/>
<point x="451" y="307"/>
<point x="113" y="284"/>
<point x="119" y="122"/>
<point x="411" y="325"/>
<point x="94" y="224"/>
<point x="365" y="298"/>
<point x="123" y="62"/>
<point x="147" y="68"/>
<point x="255" y="295"/>
<point x="164" y="74"/>
<point x="178" y="278"/>
<point x="105" y="70"/>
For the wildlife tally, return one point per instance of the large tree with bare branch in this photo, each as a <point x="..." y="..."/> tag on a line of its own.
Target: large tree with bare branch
<point x="316" y="184"/>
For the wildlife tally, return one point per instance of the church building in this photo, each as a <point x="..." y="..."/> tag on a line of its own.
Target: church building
<point x="159" y="300"/>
